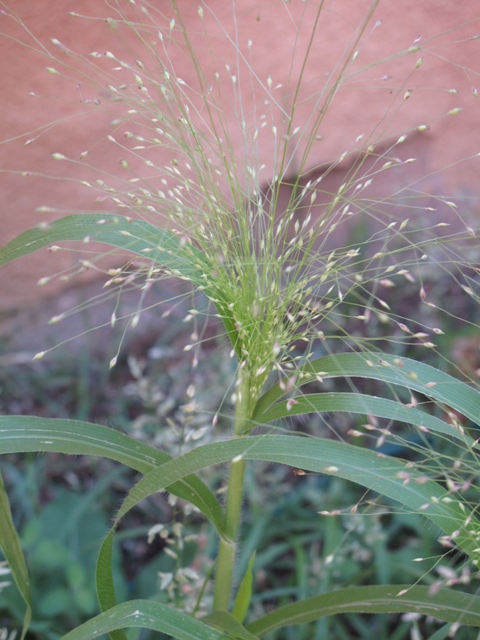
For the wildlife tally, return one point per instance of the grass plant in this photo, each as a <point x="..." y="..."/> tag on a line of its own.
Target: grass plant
<point x="311" y="324"/>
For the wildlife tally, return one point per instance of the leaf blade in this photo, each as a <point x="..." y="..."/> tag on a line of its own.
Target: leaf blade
<point x="135" y="236"/>
<point x="404" y="372"/>
<point x="362" y="466"/>
<point x="12" y="550"/>
<point x="163" y="247"/>
<point x="446" y="604"/>
<point x="149" y="615"/>
<point x="20" y="434"/>
<point x="244" y="593"/>
<point x="359" y="403"/>
<point x="225" y="621"/>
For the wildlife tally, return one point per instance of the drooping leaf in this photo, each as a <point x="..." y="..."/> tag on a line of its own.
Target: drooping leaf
<point x="387" y="476"/>
<point x="445" y="604"/>
<point x="394" y="370"/>
<point x="19" y="434"/>
<point x="136" y="236"/>
<point x="372" y="470"/>
<point x="148" y="615"/>
<point x="167" y="249"/>
<point x="362" y="404"/>
<point x="12" y="550"/>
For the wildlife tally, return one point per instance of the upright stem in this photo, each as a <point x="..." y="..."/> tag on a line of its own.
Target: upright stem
<point x="227" y="549"/>
<point x="228" y="543"/>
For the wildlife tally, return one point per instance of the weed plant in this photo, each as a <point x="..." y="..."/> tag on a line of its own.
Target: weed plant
<point x="239" y="209"/>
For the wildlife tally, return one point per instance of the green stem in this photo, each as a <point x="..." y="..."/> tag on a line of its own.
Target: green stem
<point x="226" y="552"/>
<point x="227" y="548"/>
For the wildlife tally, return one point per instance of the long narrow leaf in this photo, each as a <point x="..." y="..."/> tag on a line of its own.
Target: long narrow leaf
<point x="12" y="550"/>
<point x="162" y="246"/>
<point x="19" y="434"/>
<point x="387" y="476"/>
<point x="373" y="470"/>
<point x="136" y="236"/>
<point x="390" y="369"/>
<point x="244" y="593"/>
<point x="445" y="604"/>
<point x="148" y="615"/>
<point x="365" y="405"/>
